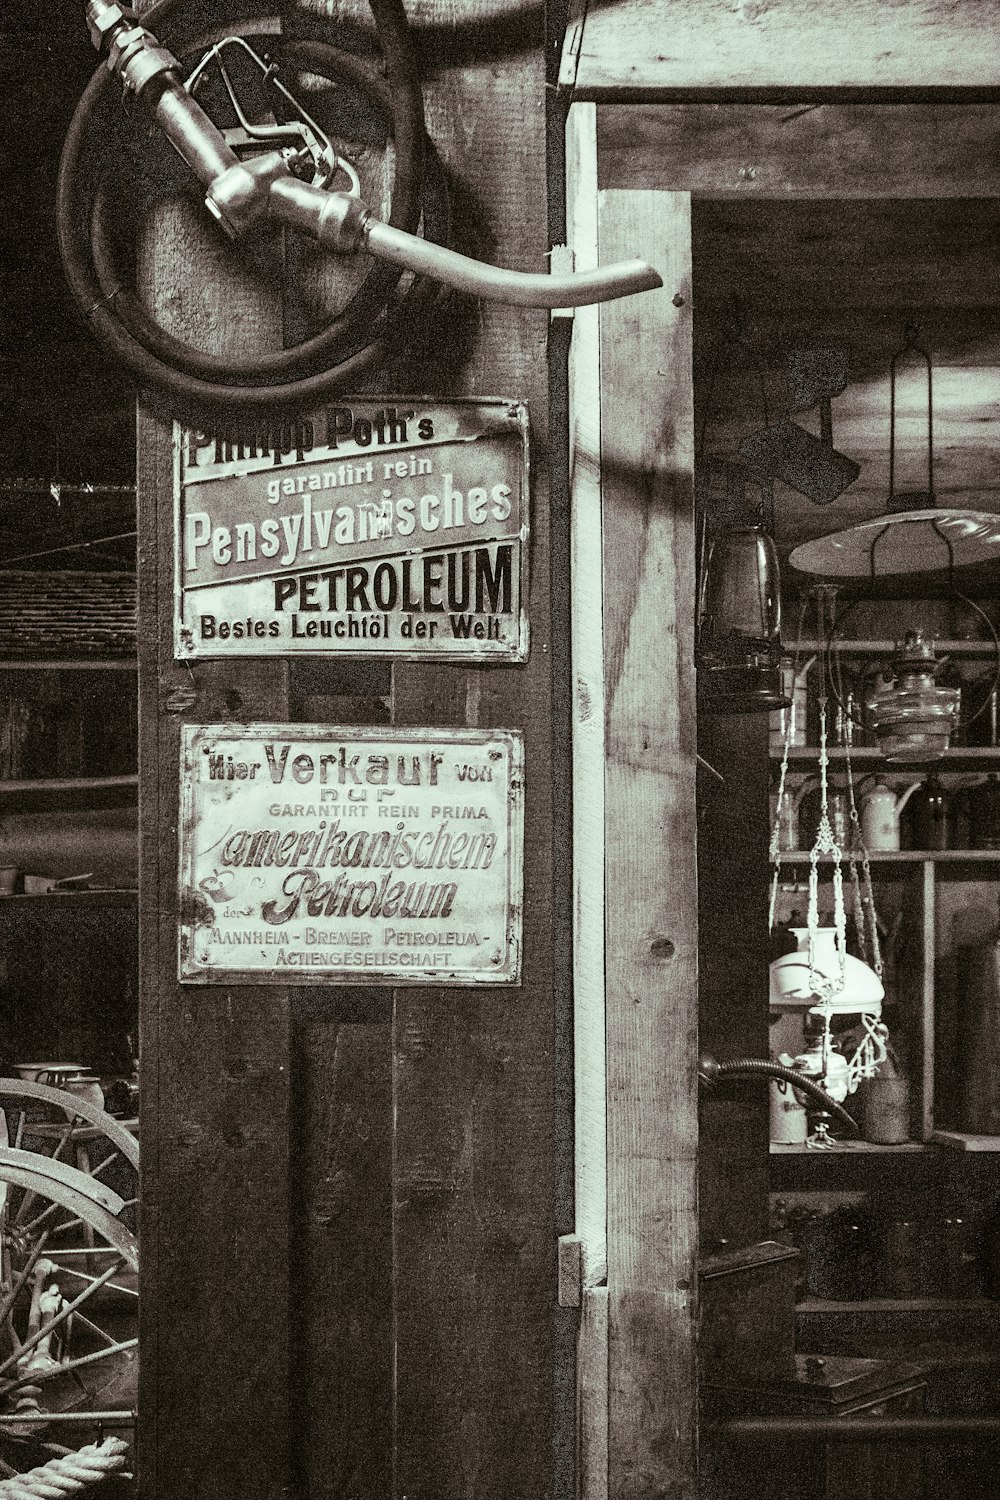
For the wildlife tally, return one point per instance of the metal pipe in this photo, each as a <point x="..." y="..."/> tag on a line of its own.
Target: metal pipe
<point x="87" y="1418"/>
<point x="855" y="1429"/>
<point x="496" y="284"/>
<point x="191" y="133"/>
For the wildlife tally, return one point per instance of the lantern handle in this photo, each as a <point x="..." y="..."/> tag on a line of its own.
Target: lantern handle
<point x="910" y="346"/>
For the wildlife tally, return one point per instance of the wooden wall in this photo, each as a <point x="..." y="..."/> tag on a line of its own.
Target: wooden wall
<point x="349" y="1246"/>
<point x="780" y="48"/>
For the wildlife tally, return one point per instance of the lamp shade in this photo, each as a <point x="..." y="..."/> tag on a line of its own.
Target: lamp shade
<point x="909" y="541"/>
<point x="862" y="991"/>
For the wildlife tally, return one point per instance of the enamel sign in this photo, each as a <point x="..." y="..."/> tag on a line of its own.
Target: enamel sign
<point x="397" y="527"/>
<point x="311" y="854"/>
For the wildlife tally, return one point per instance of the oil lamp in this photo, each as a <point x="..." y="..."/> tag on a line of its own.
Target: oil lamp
<point x="912" y="716"/>
<point x="739" y="624"/>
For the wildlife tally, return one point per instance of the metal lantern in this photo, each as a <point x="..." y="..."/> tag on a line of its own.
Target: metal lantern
<point x="739" y="594"/>
<point x="739" y="639"/>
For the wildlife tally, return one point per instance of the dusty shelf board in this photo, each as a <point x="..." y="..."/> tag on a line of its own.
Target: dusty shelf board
<point x="69" y="784"/>
<point x="899" y="1305"/>
<point x="900" y="856"/>
<point x="963" y="1140"/>
<point x="846" y="647"/>
<point x="848" y="1148"/>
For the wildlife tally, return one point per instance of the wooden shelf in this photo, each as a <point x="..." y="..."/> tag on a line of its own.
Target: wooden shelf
<point x="72" y="899"/>
<point x="901" y="857"/>
<point x="847" y="647"/>
<point x="964" y="1140"/>
<point x="852" y="1148"/>
<point x="69" y="784"/>
<point x="899" y="1305"/>
<point x="76" y="664"/>
<point x="969" y="757"/>
<point x="960" y="758"/>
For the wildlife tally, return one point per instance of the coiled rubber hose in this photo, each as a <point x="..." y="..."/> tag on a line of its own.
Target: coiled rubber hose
<point x="757" y="1067"/>
<point x="360" y="336"/>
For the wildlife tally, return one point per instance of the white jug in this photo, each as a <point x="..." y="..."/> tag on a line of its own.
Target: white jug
<point x="880" y="810"/>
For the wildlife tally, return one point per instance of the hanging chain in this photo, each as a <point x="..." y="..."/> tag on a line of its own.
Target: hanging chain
<point x="774" y="849"/>
<point x="871" y="1050"/>
<point x="825" y="843"/>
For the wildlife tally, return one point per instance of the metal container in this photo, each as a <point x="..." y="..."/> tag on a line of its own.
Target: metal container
<point x="747" y="1301"/>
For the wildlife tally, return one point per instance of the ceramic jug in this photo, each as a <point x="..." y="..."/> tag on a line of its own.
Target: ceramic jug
<point x="880" y="812"/>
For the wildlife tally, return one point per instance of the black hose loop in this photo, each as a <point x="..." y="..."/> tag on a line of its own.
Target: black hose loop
<point x="373" y="323"/>
<point x="757" y="1067"/>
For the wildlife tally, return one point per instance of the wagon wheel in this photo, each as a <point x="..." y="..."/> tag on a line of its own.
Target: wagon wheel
<point x="68" y="1273"/>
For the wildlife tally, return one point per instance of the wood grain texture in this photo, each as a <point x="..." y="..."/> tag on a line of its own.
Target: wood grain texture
<point x="474" y="1238"/>
<point x="926" y="1024"/>
<point x="590" y="1129"/>
<point x="733" y="832"/>
<point x="827" y="151"/>
<point x="215" y="1061"/>
<point x="592" y="1396"/>
<point x="651" y="903"/>
<point x="342" y="1246"/>
<point x="643" y="47"/>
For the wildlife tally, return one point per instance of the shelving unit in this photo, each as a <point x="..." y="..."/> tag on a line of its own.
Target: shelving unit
<point x="68" y="792"/>
<point x="961" y="758"/>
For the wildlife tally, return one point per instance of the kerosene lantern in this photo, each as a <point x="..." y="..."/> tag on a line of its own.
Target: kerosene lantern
<point x="913" y="716"/>
<point x="739" y="621"/>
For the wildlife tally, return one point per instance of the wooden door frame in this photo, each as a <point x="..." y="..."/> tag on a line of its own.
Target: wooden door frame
<point x="635" y="889"/>
<point x="636" y="1010"/>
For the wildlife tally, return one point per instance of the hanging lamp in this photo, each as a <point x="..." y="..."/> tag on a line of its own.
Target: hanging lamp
<point x="739" y="594"/>
<point x="908" y="537"/>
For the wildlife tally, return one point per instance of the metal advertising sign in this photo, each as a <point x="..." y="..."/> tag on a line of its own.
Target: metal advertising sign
<point x="398" y="527"/>
<point x="318" y="855"/>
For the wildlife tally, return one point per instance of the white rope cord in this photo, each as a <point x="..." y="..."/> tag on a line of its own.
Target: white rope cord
<point x="68" y="1475"/>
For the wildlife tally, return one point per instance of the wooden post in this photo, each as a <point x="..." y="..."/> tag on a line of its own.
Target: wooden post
<point x="215" y="1061"/>
<point x="416" y="1350"/>
<point x="474" y="1233"/>
<point x="651" y="888"/>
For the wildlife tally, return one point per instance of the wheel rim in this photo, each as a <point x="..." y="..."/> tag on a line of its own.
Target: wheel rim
<point x="68" y="1272"/>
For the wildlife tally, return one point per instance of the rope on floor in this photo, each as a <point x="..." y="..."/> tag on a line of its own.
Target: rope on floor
<point x="68" y="1475"/>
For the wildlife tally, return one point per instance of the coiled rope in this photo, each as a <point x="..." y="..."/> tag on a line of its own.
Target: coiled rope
<point x="69" y="1474"/>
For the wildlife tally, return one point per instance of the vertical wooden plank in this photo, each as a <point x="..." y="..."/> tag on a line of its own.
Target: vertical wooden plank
<point x="342" y="1246"/>
<point x="651" y="899"/>
<point x="215" y="1061"/>
<point x="733" y="976"/>
<point x="927" y="1002"/>
<point x="592" y="1396"/>
<point x="341" y="1194"/>
<point x="474" y="1233"/>
<point x="590" y="1130"/>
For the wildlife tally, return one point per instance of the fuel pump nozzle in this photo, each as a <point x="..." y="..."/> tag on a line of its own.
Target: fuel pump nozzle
<point x="242" y="194"/>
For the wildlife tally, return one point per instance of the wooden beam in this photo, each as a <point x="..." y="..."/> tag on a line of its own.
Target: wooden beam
<point x="590" y="1129"/>
<point x="660" y="47"/>
<point x="651" y="888"/>
<point x="742" y="151"/>
<point x="473" y="1073"/>
<point x="592" y="1396"/>
<point x="342" y="1244"/>
<point x="214" y="1275"/>
<point x="215" y="1104"/>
